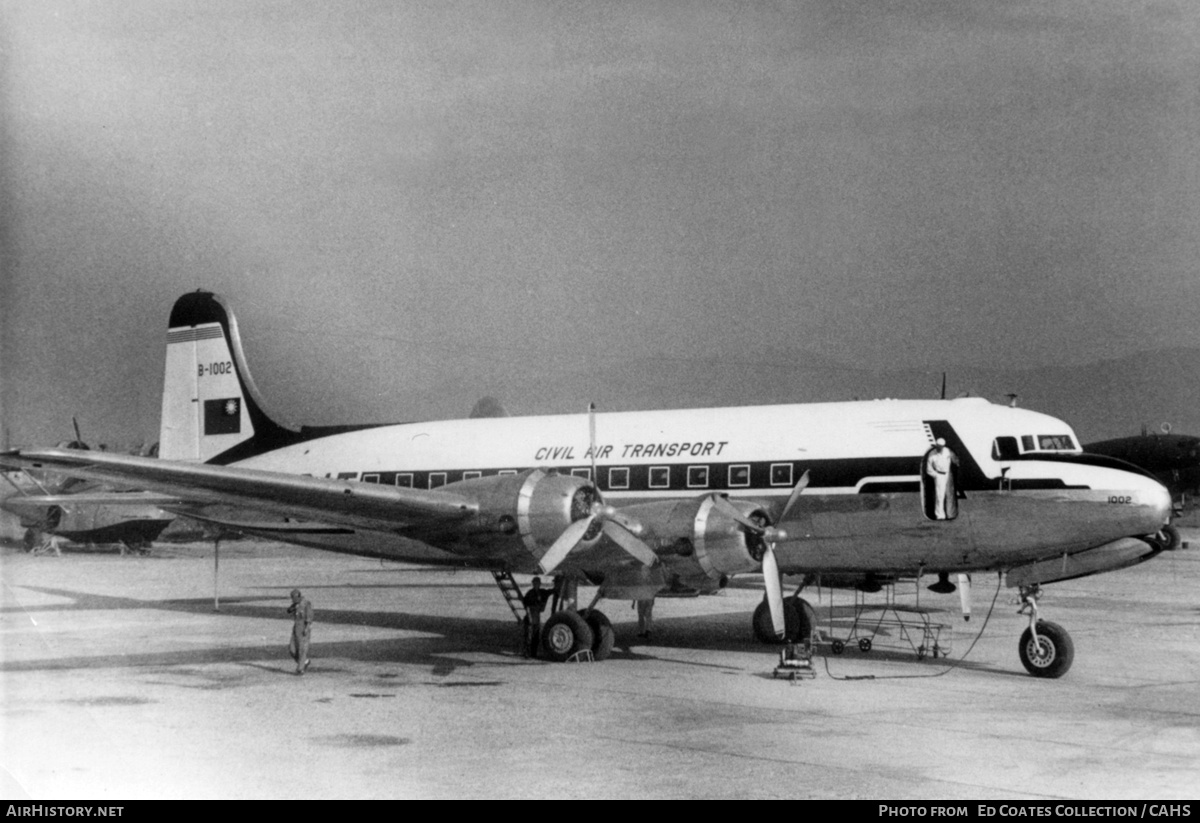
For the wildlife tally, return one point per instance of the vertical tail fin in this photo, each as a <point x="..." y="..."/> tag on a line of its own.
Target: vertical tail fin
<point x="211" y="409"/>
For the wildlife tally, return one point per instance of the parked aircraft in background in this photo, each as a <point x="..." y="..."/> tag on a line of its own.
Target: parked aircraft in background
<point x="1174" y="459"/>
<point x="636" y="503"/>
<point x="47" y="503"/>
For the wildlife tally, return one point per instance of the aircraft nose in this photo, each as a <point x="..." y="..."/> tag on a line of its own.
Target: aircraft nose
<point x="1155" y="500"/>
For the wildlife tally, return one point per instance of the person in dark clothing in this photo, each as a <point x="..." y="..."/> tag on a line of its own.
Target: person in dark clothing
<point x="534" y="600"/>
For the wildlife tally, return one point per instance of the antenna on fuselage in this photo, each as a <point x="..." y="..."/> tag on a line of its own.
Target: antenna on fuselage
<point x="592" y="437"/>
<point x="1012" y="400"/>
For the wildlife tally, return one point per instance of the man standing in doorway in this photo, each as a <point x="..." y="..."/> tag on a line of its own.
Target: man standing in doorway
<point x="941" y="459"/>
<point x="302" y="618"/>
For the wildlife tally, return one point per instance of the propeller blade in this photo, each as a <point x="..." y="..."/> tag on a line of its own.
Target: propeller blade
<point x="801" y="485"/>
<point x="627" y="541"/>
<point x="774" y="591"/>
<point x="730" y="511"/>
<point x="964" y="595"/>
<point x="566" y="541"/>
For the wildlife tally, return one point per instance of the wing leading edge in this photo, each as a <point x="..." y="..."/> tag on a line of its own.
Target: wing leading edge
<point x="359" y="505"/>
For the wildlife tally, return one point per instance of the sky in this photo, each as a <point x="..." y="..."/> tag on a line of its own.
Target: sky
<point x="414" y="204"/>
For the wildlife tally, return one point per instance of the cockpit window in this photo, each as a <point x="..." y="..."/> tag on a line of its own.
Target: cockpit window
<point x="1005" y="448"/>
<point x="1048" y="443"/>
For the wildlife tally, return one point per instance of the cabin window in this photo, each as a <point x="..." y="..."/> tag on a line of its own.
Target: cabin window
<point x="585" y="473"/>
<point x="404" y="479"/>
<point x="660" y="477"/>
<point x="1027" y="443"/>
<point x="618" y="478"/>
<point x="1005" y="448"/>
<point x="781" y="474"/>
<point x="437" y="479"/>
<point x="739" y="475"/>
<point x="503" y="472"/>
<point x="347" y="476"/>
<point x="471" y="475"/>
<point x="697" y="477"/>
<point x="370" y="478"/>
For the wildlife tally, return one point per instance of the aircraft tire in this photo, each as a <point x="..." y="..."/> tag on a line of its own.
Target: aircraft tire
<point x="1057" y="651"/>
<point x="808" y="621"/>
<point x="565" y="633"/>
<point x="603" y="636"/>
<point x="1170" y="538"/>
<point x="764" y="630"/>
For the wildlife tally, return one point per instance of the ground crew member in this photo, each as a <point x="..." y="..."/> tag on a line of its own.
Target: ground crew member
<point x="534" y="601"/>
<point x="302" y="618"/>
<point x="938" y="467"/>
<point x="645" y="610"/>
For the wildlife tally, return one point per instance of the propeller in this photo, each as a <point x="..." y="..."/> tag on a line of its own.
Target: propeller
<point x="620" y="528"/>
<point x="770" y="535"/>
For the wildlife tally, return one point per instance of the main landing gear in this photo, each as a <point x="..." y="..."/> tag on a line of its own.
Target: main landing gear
<point x="799" y="620"/>
<point x="567" y="634"/>
<point x="1046" y="649"/>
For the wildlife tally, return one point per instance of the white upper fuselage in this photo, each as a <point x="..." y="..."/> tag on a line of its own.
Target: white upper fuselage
<point x="717" y="438"/>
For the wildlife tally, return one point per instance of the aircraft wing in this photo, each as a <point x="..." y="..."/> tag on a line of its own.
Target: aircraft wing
<point x="32" y="502"/>
<point x="325" y="500"/>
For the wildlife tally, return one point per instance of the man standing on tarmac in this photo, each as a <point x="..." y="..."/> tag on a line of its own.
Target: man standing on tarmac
<point x="302" y="616"/>
<point x="534" y="601"/>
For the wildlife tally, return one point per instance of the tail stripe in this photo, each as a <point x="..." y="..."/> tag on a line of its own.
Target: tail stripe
<point x="191" y="335"/>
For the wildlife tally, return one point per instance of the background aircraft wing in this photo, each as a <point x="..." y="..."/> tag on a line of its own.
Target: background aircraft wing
<point x="110" y="498"/>
<point x="360" y="505"/>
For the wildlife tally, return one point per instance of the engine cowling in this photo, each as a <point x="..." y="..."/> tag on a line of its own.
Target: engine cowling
<point x="699" y="542"/>
<point x="520" y="515"/>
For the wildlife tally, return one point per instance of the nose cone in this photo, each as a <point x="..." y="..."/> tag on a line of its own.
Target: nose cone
<point x="1151" y="498"/>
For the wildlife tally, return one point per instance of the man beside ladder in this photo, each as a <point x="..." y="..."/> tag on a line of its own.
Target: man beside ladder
<point x="534" y="601"/>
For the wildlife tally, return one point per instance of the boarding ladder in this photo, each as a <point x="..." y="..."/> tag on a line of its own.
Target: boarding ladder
<point x="511" y="592"/>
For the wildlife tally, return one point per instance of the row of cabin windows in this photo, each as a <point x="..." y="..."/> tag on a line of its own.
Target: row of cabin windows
<point x="658" y="477"/>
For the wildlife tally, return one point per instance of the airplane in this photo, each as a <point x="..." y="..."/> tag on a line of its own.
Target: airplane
<point x="1173" y="459"/>
<point x="82" y="512"/>
<point x="637" y="503"/>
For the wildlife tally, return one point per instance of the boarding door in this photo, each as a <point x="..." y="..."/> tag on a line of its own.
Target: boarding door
<point x="939" y="484"/>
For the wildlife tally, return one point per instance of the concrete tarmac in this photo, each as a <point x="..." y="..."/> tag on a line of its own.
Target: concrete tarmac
<point x="120" y="681"/>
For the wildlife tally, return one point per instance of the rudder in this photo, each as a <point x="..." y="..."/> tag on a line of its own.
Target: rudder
<point x="210" y="405"/>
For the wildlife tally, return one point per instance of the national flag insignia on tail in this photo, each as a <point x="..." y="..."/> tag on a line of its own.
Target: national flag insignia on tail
<point x="223" y="416"/>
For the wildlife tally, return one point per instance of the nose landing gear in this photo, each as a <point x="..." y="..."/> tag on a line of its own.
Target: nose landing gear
<point x="1046" y="649"/>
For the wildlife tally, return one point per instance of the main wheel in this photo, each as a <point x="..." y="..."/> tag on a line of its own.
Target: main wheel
<point x="764" y="629"/>
<point x="565" y="634"/>
<point x="603" y="636"/>
<point x="808" y="621"/>
<point x="1051" y="655"/>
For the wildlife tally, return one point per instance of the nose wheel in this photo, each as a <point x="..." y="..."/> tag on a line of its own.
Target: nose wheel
<point x="1045" y="648"/>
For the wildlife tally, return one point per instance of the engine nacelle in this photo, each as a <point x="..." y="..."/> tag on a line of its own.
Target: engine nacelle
<point x="699" y="542"/>
<point x="520" y="515"/>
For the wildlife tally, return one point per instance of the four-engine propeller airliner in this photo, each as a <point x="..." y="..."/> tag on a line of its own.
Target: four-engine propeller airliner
<point x="637" y="503"/>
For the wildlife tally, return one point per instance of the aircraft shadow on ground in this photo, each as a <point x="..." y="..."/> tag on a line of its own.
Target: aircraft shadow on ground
<point x="444" y="639"/>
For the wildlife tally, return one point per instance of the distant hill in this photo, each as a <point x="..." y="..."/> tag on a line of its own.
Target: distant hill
<point x="1109" y="398"/>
